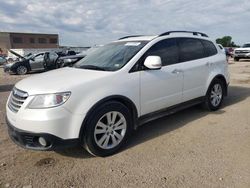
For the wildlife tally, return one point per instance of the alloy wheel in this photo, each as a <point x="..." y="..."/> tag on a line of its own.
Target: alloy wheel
<point x="21" y="70"/>
<point x="216" y="95"/>
<point x="110" y="130"/>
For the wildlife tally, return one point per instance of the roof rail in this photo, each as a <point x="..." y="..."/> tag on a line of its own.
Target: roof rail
<point x="193" y="32"/>
<point x="130" y="36"/>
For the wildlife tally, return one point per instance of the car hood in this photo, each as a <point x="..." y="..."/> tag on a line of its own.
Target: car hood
<point x="244" y="49"/>
<point x="60" y="80"/>
<point x="16" y="54"/>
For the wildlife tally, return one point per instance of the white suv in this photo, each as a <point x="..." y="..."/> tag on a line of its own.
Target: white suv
<point x="116" y="88"/>
<point x="242" y="53"/>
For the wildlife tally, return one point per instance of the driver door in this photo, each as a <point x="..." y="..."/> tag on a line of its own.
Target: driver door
<point x="162" y="88"/>
<point x="37" y="63"/>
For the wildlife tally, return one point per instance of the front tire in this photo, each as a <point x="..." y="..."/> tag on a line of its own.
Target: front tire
<point x="21" y="70"/>
<point x="107" y="129"/>
<point x="236" y="59"/>
<point x="215" y="95"/>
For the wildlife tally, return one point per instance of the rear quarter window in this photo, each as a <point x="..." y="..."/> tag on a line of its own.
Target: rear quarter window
<point x="190" y="49"/>
<point x="209" y="48"/>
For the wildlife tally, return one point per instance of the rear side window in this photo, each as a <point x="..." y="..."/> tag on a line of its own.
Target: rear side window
<point x="167" y="50"/>
<point x="210" y="49"/>
<point x="190" y="49"/>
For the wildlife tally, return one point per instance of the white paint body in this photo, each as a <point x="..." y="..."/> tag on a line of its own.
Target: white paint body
<point x="149" y="90"/>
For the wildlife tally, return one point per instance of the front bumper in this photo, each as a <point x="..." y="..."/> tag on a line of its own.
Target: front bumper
<point x="54" y="121"/>
<point x="7" y="69"/>
<point x="246" y="56"/>
<point x="29" y="140"/>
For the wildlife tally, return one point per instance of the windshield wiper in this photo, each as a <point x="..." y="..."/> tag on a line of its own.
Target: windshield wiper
<point x="93" y="67"/>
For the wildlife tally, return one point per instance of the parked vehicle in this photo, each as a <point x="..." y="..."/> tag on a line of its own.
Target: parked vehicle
<point x="31" y="63"/>
<point x="2" y="60"/>
<point x="116" y="88"/>
<point x="70" y="60"/>
<point x="242" y="53"/>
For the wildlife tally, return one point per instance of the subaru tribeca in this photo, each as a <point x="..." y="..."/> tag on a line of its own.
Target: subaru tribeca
<point x="115" y="89"/>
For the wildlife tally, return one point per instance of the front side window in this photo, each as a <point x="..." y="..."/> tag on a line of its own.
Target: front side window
<point x="167" y="50"/>
<point x="190" y="49"/>
<point x="111" y="57"/>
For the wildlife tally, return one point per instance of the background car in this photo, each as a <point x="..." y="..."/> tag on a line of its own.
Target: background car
<point x="38" y="62"/>
<point x="2" y="60"/>
<point x="25" y="64"/>
<point x="242" y="53"/>
<point x="70" y="60"/>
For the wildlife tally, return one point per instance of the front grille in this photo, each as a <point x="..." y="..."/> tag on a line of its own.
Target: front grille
<point x="17" y="98"/>
<point x="242" y="51"/>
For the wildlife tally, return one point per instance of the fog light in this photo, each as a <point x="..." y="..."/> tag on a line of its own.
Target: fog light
<point x="42" y="141"/>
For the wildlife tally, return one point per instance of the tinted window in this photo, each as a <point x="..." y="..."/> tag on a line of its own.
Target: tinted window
<point x="167" y="50"/>
<point x="246" y="46"/>
<point x="17" y="40"/>
<point x="190" y="49"/>
<point x="32" y="40"/>
<point x="42" y="40"/>
<point x="53" y="40"/>
<point x="209" y="47"/>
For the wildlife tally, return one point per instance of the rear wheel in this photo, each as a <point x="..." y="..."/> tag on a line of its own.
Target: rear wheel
<point x="215" y="95"/>
<point x="21" y="70"/>
<point x="107" y="129"/>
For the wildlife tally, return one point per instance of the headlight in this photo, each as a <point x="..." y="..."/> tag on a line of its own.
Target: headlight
<point x="68" y="60"/>
<point x="49" y="100"/>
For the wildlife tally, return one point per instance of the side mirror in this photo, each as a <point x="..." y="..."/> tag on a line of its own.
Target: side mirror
<point x="153" y="62"/>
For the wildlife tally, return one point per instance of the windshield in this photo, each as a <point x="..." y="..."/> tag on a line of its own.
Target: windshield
<point x="246" y="46"/>
<point x="29" y="56"/>
<point x="110" y="57"/>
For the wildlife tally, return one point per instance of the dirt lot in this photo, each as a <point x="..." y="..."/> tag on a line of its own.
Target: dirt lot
<point x="192" y="148"/>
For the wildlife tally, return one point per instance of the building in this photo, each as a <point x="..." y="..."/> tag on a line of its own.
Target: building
<point x="11" y="40"/>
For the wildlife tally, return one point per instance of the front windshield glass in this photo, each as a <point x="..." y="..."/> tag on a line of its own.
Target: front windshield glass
<point x="29" y="56"/>
<point x="246" y="46"/>
<point x="110" y="57"/>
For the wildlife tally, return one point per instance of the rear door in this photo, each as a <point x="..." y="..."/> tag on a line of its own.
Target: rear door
<point x="161" y="88"/>
<point x="195" y="66"/>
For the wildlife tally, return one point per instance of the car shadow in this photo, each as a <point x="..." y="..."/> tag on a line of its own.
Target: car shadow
<point x="6" y="88"/>
<point x="167" y="124"/>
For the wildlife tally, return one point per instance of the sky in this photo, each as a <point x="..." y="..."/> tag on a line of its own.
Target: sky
<point x="91" y="22"/>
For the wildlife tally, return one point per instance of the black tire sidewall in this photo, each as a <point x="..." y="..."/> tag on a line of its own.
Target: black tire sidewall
<point x="21" y="73"/>
<point x="209" y="105"/>
<point x="88" y="133"/>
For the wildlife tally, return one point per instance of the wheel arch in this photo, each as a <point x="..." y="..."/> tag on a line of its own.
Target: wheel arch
<point x="22" y="63"/>
<point x="119" y="98"/>
<point x="222" y="78"/>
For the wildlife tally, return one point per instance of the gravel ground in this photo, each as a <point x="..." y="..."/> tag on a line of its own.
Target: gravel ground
<point x="192" y="148"/>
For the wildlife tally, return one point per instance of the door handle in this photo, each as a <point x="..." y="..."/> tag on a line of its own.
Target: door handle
<point x="209" y="64"/>
<point x="177" y="71"/>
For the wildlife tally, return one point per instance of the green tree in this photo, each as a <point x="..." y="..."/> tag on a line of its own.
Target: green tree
<point x="226" y="41"/>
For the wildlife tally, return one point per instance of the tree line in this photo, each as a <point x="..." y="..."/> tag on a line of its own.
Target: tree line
<point x="226" y="41"/>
